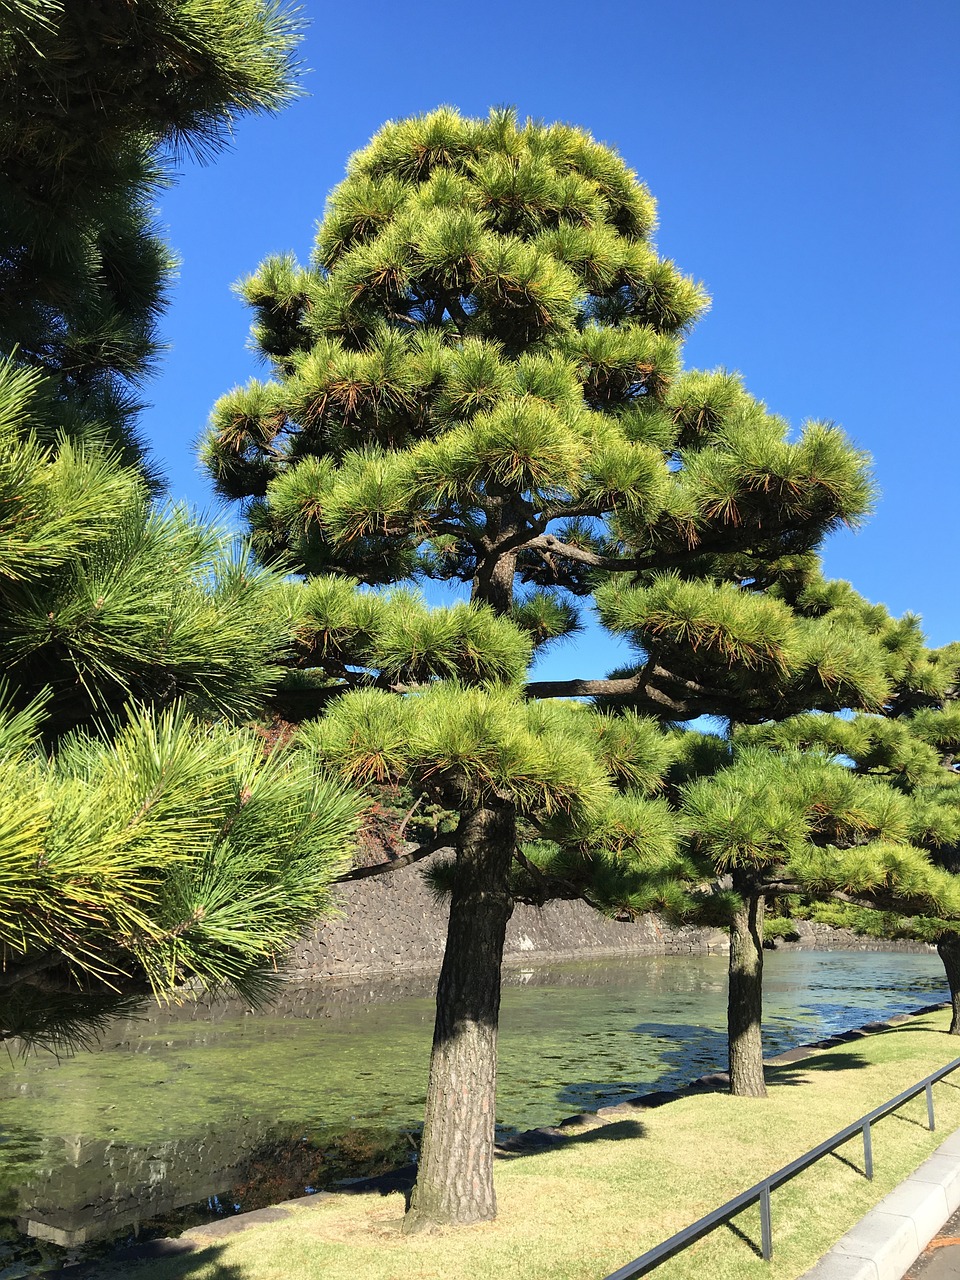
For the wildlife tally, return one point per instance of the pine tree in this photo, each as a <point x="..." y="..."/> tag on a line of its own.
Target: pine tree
<point x="96" y="99"/>
<point x="145" y="840"/>
<point x="477" y="380"/>
<point x="769" y="646"/>
<point x="752" y="643"/>
<point x="910" y="743"/>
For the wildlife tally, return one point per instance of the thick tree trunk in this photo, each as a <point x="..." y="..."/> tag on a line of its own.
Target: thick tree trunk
<point x="493" y="583"/>
<point x="949" y="951"/>
<point x="745" y="995"/>
<point x="455" y="1177"/>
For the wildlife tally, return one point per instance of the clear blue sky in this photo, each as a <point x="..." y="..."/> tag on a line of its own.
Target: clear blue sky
<point x="805" y="161"/>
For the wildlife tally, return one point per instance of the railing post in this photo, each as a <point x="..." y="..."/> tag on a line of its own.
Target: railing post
<point x="766" y="1227"/>
<point x="930" y="1108"/>
<point x="867" y="1150"/>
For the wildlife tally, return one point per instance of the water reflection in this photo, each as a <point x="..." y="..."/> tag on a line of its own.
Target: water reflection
<point x="81" y="1190"/>
<point x="182" y="1115"/>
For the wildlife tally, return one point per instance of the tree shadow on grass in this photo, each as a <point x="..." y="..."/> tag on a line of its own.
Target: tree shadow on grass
<point x="795" y="1073"/>
<point x="153" y="1264"/>
<point x="536" y="1141"/>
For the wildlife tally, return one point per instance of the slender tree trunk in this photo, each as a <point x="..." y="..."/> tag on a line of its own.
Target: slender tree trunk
<point x="455" y="1177"/>
<point x="745" y="995"/>
<point x="949" y="951"/>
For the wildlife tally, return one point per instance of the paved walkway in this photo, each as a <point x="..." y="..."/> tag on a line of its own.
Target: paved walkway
<point x="940" y="1260"/>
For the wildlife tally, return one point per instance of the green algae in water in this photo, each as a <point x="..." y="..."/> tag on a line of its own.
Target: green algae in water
<point x="163" y="1080"/>
<point x="188" y="1114"/>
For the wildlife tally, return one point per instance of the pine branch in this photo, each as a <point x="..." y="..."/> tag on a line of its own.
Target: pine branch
<point x="882" y="900"/>
<point x="409" y="814"/>
<point x="396" y="864"/>
<point x="553" y="887"/>
<point x="636" y="686"/>
<point x="548" y="544"/>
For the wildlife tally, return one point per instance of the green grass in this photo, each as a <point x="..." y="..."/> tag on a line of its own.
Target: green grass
<point x="580" y="1211"/>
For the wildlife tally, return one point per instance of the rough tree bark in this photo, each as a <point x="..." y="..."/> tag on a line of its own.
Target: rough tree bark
<point x="745" y="1000"/>
<point x="455" y="1178"/>
<point x="949" y="950"/>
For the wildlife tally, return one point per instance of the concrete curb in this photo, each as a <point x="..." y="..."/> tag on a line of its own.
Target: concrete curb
<point x="886" y="1243"/>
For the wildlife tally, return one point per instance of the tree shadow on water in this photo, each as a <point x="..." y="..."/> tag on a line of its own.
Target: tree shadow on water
<point x="687" y="1055"/>
<point x="678" y="1054"/>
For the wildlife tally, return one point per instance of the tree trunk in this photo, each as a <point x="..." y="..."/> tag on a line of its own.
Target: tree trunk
<point x="949" y="950"/>
<point x="493" y="582"/>
<point x="455" y="1177"/>
<point x="745" y="995"/>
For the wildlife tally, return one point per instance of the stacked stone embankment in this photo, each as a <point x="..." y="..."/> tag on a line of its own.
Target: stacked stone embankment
<point x="393" y="922"/>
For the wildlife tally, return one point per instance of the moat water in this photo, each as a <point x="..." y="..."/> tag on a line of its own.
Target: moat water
<point x="184" y="1115"/>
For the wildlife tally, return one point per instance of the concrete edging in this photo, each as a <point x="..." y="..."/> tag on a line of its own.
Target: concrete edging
<point x="887" y="1241"/>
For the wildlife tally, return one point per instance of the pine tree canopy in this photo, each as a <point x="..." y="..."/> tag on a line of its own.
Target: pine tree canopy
<point x="95" y="99"/>
<point x="583" y="785"/>
<point x="168" y="852"/>
<point x="477" y="378"/>
<point x="803" y="824"/>
<point x="146" y="842"/>
<point x="104" y="599"/>
<point x="909" y="744"/>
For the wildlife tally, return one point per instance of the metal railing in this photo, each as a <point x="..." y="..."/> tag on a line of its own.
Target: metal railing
<point x="761" y="1190"/>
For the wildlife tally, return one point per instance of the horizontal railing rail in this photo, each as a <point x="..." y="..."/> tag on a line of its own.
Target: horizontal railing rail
<point x="761" y="1190"/>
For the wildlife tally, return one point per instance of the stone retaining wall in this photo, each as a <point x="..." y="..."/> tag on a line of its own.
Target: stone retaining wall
<point x="822" y="937"/>
<point x="393" y="922"/>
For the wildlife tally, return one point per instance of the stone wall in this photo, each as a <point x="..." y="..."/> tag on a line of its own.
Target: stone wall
<point x="393" y="922"/>
<point x="822" y="937"/>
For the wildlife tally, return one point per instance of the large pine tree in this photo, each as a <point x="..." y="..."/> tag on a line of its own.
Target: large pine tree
<point x="143" y="841"/>
<point x="477" y="380"/>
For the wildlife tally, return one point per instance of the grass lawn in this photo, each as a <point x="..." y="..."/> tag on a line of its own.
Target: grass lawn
<point x="579" y="1211"/>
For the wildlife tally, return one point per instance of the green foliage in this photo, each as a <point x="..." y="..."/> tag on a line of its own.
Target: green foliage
<point x="545" y="617"/>
<point x="54" y="502"/>
<point x="394" y="633"/>
<point x="150" y="848"/>
<point x="443" y="345"/>
<point x="103" y="598"/>
<point x="778" y="927"/>
<point x="468" y="745"/>
<point x="815" y="828"/>
<point x="95" y="101"/>
<point x="169" y="851"/>
<point x="721" y="624"/>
